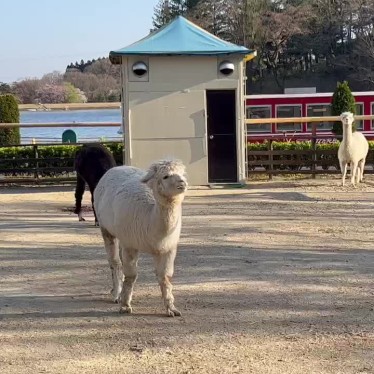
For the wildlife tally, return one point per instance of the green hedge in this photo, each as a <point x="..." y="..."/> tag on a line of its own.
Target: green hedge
<point x="325" y="160"/>
<point x="307" y="145"/>
<point x="23" y="158"/>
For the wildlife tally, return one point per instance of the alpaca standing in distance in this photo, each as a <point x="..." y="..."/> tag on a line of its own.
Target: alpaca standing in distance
<point x="91" y="163"/>
<point x="141" y="212"/>
<point x="352" y="150"/>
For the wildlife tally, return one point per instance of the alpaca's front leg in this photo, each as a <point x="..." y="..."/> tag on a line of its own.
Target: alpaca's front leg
<point x="343" y="169"/>
<point x="164" y="264"/>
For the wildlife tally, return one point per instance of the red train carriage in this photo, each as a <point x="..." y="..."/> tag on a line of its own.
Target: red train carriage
<point x="301" y="105"/>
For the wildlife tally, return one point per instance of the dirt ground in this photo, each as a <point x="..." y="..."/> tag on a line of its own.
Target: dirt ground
<point x="276" y="277"/>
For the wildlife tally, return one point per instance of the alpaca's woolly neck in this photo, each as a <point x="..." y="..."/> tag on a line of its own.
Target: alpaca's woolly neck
<point x="166" y="213"/>
<point x="347" y="135"/>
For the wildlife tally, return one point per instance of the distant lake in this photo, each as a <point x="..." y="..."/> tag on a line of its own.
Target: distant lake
<point x="83" y="133"/>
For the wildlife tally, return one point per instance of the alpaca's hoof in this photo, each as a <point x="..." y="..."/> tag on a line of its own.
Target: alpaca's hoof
<point x="81" y="219"/>
<point x="116" y="296"/>
<point x="97" y="224"/>
<point x="125" y="310"/>
<point x="173" y="312"/>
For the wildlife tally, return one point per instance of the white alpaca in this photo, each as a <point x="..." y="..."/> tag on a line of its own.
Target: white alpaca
<point x="352" y="150"/>
<point x="142" y="211"/>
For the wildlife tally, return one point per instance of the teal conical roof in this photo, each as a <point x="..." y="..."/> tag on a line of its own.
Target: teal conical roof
<point x="180" y="37"/>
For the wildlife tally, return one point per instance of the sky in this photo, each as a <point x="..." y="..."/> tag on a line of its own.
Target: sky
<point x="41" y="36"/>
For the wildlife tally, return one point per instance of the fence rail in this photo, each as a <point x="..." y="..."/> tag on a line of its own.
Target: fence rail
<point x="255" y="121"/>
<point x="59" y="124"/>
<point x="69" y="106"/>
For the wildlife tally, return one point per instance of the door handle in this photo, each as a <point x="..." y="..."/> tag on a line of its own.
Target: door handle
<point x="211" y="137"/>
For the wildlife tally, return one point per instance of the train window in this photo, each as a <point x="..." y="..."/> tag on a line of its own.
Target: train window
<point x="259" y="112"/>
<point x="360" y="112"/>
<point x="319" y="110"/>
<point x="284" y="111"/>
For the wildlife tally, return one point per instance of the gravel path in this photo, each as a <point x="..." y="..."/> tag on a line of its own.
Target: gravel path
<point x="273" y="278"/>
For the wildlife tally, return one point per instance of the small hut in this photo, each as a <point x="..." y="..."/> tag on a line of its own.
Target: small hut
<point x="182" y="96"/>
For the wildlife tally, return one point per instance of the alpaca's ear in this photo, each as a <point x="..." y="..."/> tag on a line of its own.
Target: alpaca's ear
<point x="150" y="174"/>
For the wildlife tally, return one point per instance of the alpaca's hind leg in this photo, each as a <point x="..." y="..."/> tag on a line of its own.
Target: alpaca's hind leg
<point x="164" y="270"/>
<point x="129" y="259"/>
<point x="362" y="167"/>
<point x="343" y="169"/>
<point x="354" y="171"/>
<point x="79" y="191"/>
<point x="112" y="249"/>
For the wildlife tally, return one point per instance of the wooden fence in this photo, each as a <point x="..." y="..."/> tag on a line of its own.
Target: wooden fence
<point x="314" y="161"/>
<point x="35" y="165"/>
<point x="298" y="161"/>
<point x="54" y="163"/>
<point x="43" y="163"/>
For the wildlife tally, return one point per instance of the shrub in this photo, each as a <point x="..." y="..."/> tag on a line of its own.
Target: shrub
<point x="61" y="156"/>
<point x="22" y="158"/>
<point x="325" y="160"/>
<point x="9" y="113"/>
<point x="342" y="101"/>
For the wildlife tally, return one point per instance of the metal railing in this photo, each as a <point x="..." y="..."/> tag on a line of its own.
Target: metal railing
<point x="69" y="106"/>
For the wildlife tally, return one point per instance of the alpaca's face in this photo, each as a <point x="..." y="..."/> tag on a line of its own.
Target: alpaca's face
<point x="347" y="119"/>
<point x="167" y="178"/>
<point x="172" y="183"/>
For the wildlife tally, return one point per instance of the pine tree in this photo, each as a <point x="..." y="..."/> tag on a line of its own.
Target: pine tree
<point x="9" y="113"/>
<point x="166" y="10"/>
<point x="342" y="101"/>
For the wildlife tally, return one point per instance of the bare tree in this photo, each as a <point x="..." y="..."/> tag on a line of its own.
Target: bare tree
<point x="54" y="78"/>
<point x="26" y="90"/>
<point x="104" y="67"/>
<point x="279" y="28"/>
<point x="362" y="58"/>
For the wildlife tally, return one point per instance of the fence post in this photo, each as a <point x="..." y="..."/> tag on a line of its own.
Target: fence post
<point x="36" y="156"/>
<point x="270" y="149"/>
<point x="314" y="147"/>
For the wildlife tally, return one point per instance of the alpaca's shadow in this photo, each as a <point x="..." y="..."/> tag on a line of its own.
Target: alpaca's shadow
<point x="84" y="305"/>
<point x="365" y="182"/>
